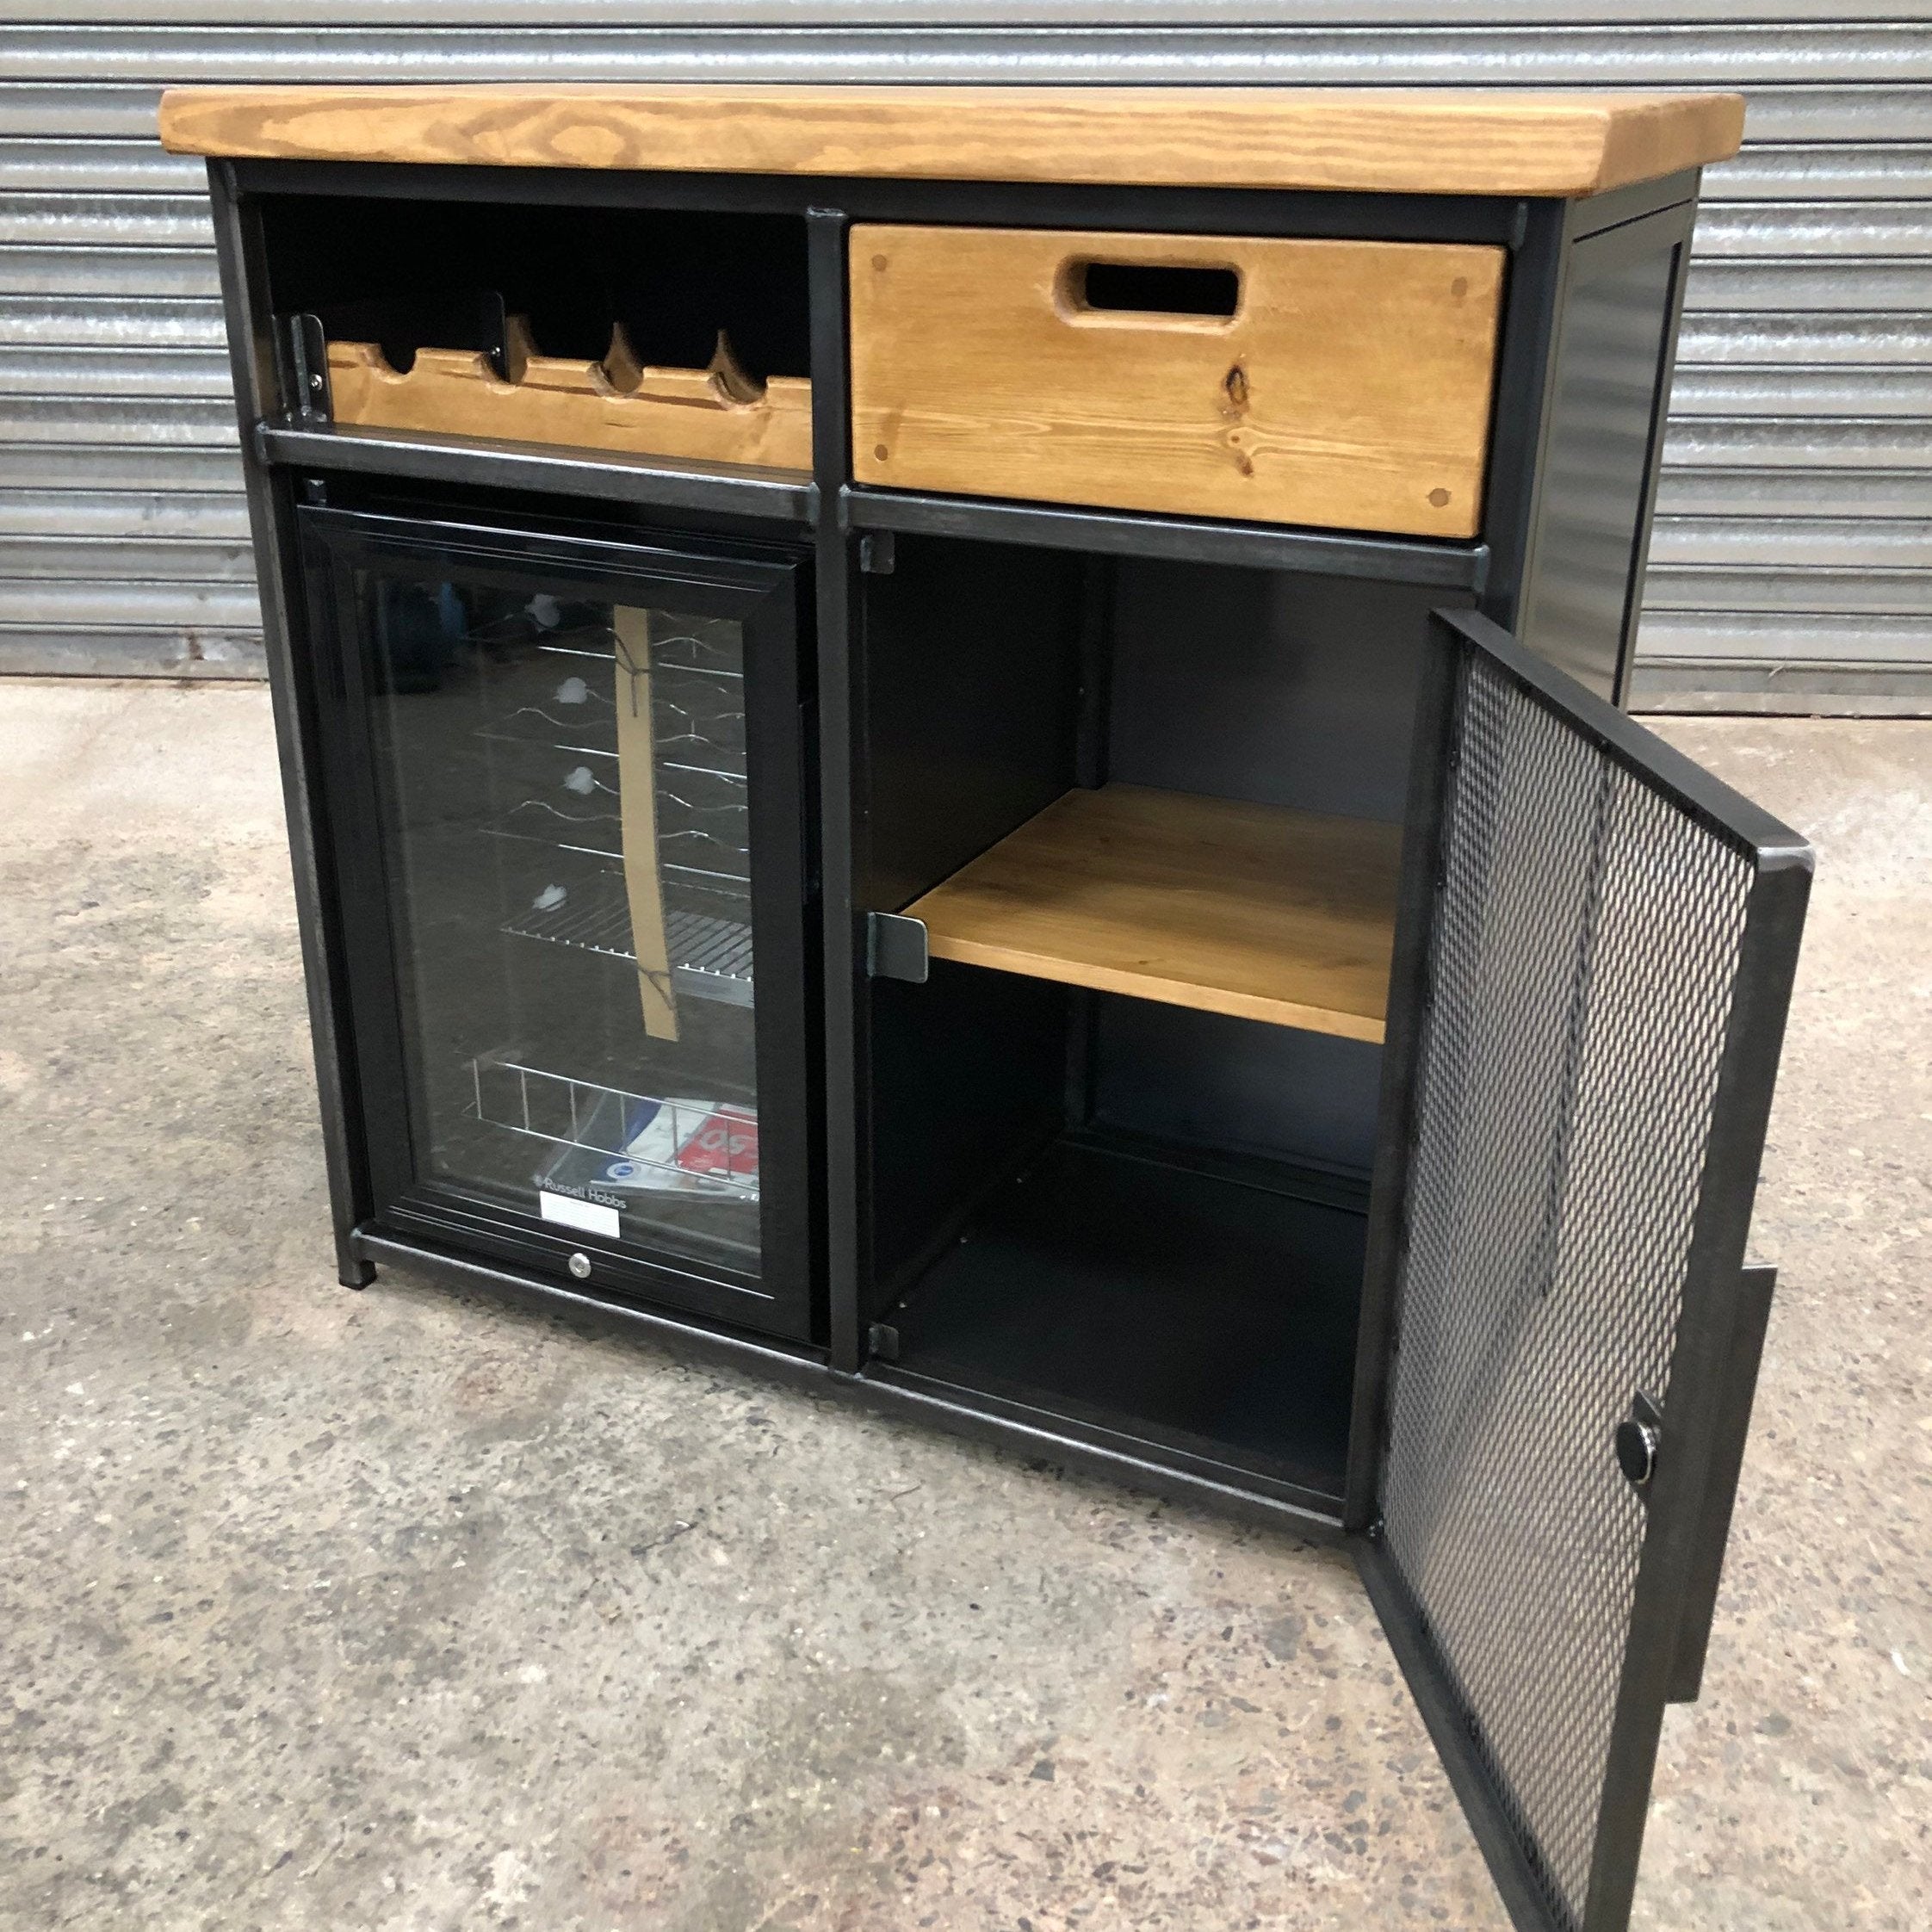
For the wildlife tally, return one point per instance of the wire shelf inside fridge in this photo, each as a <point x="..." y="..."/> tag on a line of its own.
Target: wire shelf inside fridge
<point x="710" y="951"/>
<point x="703" y="839"/>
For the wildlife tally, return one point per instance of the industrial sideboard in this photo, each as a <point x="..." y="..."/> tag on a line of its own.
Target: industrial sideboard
<point x="964" y="745"/>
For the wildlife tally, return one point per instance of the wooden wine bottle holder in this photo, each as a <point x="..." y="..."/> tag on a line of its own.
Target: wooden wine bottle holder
<point x="715" y="414"/>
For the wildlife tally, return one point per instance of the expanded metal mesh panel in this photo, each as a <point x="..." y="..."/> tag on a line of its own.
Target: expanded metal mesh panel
<point x="1586" y="938"/>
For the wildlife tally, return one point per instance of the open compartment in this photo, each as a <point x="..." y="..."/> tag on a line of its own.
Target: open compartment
<point x="1149" y="814"/>
<point x="655" y="333"/>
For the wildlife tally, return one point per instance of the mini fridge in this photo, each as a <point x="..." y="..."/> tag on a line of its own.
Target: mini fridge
<point x="565" y="772"/>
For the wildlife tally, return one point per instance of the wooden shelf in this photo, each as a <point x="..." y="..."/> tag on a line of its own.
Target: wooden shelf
<point x="713" y="415"/>
<point x="1253" y="910"/>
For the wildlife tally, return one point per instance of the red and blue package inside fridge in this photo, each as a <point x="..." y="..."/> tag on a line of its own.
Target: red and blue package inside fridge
<point x="632" y="1145"/>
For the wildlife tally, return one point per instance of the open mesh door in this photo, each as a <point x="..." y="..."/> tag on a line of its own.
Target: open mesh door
<point x="1595" y="956"/>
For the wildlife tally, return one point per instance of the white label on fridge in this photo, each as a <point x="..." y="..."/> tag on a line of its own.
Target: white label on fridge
<point x="587" y="1216"/>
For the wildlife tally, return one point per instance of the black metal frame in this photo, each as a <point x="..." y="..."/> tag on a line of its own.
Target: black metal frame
<point x="1542" y="236"/>
<point x="256" y="370"/>
<point x="1725" y="1304"/>
<point x="727" y="489"/>
<point x="1234" y="211"/>
<point x="849" y="530"/>
<point x="841" y="675"/>
<point x="1182" y="539"/>
<point x="761" y="594"/>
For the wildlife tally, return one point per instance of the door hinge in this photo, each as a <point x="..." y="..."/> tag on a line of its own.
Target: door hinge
<point x="877" y="553"/>
<point x="1638" y="1436"/>
<point x="895" y="948"/>
<point x="883" y="1339"/>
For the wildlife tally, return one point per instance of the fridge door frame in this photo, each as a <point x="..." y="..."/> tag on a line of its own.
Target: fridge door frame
<point x="1718" y="1332"/>
<point x="766" y="589"/>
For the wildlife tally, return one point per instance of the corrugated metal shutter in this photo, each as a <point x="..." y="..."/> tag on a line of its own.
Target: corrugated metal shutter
<point x="1793" y="563"/>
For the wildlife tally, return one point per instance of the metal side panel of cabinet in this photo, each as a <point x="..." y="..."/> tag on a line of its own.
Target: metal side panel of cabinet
<point x="257" y="382"/>
<point x="1608" y="391"/>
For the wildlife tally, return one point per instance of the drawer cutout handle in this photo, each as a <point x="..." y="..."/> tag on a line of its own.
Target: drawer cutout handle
<point x="1172" y="294"/>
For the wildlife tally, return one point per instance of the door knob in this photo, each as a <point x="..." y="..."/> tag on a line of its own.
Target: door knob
<point x="1638" y="1436"/>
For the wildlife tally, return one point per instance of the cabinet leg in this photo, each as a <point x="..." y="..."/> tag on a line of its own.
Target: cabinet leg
<point x="352" y="1271"/>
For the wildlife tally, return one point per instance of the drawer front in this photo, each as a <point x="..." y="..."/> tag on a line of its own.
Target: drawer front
<point x="1344" y="384"/>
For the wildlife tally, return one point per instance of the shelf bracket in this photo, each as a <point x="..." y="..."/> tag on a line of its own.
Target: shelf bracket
<point x="307" y="370"/>
<point x="895" y="948"/>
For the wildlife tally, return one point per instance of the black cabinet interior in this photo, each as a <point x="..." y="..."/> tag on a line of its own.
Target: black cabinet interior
<point x="414" y="274"/>
<point x="1158" y="1293"/>
<point x="1142" y="1212"/>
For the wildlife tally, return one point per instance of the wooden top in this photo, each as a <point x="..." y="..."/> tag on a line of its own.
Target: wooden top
<point x="1255" y="910"/>
<point x="1438" y="141"/>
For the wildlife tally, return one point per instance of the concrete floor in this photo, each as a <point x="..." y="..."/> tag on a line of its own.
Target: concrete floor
<point x="402" y="1610"/>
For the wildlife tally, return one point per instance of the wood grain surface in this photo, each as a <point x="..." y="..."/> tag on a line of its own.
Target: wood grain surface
<point x="697" y="415"/>
<point x="1428" y="141"/>
<point x="1247" y="909"/>
<point x="1350" y="389"/>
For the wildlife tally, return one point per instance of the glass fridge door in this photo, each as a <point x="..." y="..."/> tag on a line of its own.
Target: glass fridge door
<point x="571" y="839"/>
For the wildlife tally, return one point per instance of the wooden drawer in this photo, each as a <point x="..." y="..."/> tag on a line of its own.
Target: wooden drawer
<point x="1340" y="383"/>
